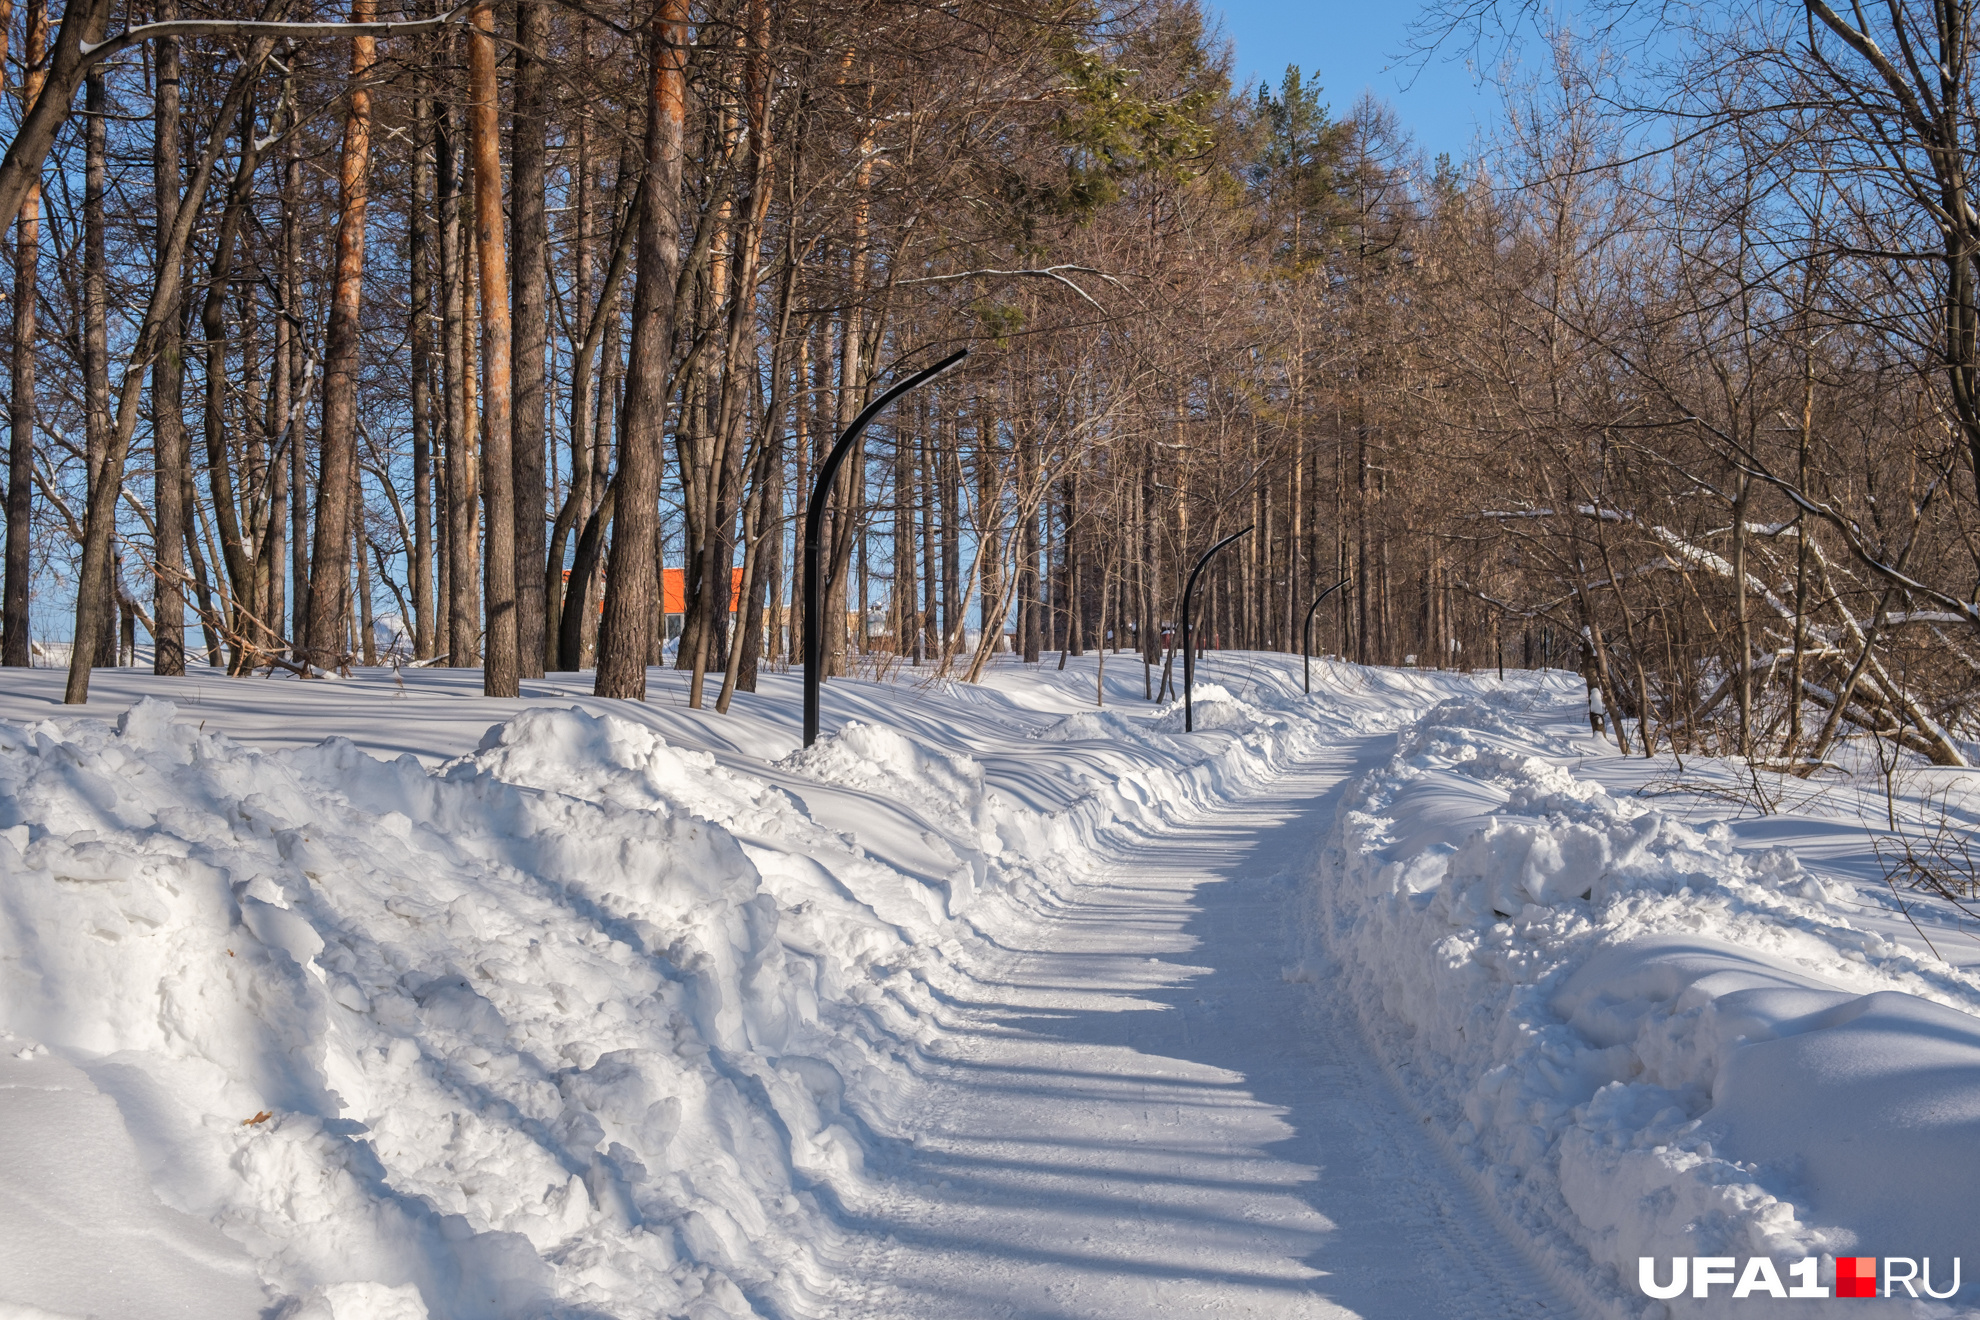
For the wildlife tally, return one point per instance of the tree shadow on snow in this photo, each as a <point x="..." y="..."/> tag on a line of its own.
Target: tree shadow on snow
<point x="1215" y="1130"/>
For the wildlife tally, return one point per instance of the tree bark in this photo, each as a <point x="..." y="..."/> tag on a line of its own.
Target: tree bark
<point x="278" y="425"/>
<point x="632" y="595"/>
<point x="463" y="607"/>
<point x="420" y="342"/>
<point x="1743" y="624"/>
<point x="330" y="556"/>
<point x="299" y="374"/>
<point x="96" y="335"/>
<point x="575" y="611"/>
<point x="740" y="382"/>
<point x="14" y="639"/>
<point x="528" y="162"/>
<point x="499" y="675"/>
<point x="367" y="636"/>
<point x="170" y="459"/>
<point x="1029" y="579"/>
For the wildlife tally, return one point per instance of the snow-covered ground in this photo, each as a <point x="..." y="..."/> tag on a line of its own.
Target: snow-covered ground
<point x="1645" y="1023"/>
<point x="378" y="998"/>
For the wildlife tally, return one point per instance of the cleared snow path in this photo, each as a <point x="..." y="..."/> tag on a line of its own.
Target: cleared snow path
<point x="1149" y="1113"/>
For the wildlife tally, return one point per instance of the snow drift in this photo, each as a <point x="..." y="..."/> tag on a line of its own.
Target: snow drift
<point x="530" y="1032"/>
<point x="1643" y="1040"/>
<point x="582" y="1022"/>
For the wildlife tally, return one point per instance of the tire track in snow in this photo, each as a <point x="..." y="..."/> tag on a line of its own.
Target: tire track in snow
<point x="1144" y="1116"/>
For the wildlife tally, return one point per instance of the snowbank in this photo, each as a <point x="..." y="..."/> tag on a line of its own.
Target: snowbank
<point x="1157" y="775"/>
<point x="581" y="1022"/>
<point x="1643" y="1040"/>
<point x="533" y="1030"/>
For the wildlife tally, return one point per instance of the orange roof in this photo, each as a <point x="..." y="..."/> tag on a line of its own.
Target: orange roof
<point x="673" y="590"/>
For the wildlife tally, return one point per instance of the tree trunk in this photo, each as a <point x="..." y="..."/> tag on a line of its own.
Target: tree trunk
<point x="299" y="374"/>
<point x="945" y="513"/>
<point x="935" y="608"/>
<point x="740" y="385"/>
<point x="367" y="647"/>
<point x="1743" y="624"/>
<point x="850" y="496"/>
<point x="569" y="598"/>
<point x="589" y="418"/>
<point x="14" y="639"/>
<point x="632" y="585"/>
<point x="170" y="459"/>
<point x="584" y="570"/>
<point x="605" y="431"/>
<point x="419" y="253"/>
<point x="527" y="162"/>
<point x="330" y="557"/>
<point x="96" y="332"/>
<point x="989" y="531"/>
<point x="463" y="585"/>
<point x="201" y="582"/>
<point x="277" y="424"/>
<point x="500" y="672"/>
<point x="1030" y="579"/>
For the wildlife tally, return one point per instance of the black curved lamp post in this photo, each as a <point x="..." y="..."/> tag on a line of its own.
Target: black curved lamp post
<point x="1189" y="645"/>
<point x="814" y="516"/>
<point x="1306" y="634"/>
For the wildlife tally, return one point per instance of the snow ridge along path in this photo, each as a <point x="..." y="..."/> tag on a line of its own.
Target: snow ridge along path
<point x="1155" y="1107"/>
<point x="584" y="1009"/>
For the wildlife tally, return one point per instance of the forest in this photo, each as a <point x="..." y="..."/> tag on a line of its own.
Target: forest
<point x="422" y="335"/>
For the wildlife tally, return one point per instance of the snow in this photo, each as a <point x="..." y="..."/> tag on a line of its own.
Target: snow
<point x="90" y="1184"/>
<point x="379" y="999"/>
<point x="1642" y="1038"/>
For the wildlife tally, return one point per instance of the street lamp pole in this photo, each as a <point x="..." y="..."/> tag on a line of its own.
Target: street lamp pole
<point x="1189" y="645"/>
<point x="814" y="515"/>
<point x="1306" y="634"/>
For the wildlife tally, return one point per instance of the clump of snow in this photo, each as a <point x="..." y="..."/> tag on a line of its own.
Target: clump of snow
<point x="1643" y="1040"/>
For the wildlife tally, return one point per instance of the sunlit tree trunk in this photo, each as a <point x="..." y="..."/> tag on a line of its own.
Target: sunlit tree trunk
<point x="499" y="669"/>
<point x="632" y="583"/>
<point x="330" y="557"/>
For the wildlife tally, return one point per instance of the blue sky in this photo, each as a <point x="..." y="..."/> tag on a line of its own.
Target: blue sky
<point x="1357" y="46"/>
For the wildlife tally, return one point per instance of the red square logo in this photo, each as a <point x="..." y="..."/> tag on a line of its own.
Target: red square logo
<point x="1856" y="1276"/>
